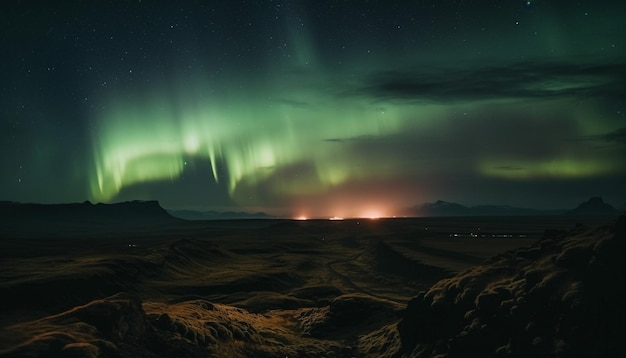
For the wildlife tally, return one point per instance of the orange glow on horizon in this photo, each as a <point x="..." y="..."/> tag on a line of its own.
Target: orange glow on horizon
<point x="372" y="214"/>
<point x="345" y="210"/>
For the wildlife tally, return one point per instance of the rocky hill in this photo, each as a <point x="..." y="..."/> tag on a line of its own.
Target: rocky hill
<point x="561" y="297"/>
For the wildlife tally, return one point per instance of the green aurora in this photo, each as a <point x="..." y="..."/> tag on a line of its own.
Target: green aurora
<point x="317" y="109"/>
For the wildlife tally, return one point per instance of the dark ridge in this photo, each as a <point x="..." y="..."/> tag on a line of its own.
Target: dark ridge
<point x="560" y="297"/>
<point x="270" y="282"/>
<point x="350" y="311"/>
<point x="594" y="207"/>
<point x="444" y="209"/>
<point x="23" y="218"/>
<point x="58" y="292"/>
<point x="391" y="261"/>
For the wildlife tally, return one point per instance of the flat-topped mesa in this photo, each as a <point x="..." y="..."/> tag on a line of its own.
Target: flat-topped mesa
<point x="133" y="210"/>
<point x="86" y="212"/>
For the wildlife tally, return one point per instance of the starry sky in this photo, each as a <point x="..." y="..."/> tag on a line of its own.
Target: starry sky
<point x="313" y="108"/>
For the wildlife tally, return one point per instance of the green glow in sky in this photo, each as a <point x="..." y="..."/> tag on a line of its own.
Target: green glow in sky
<point x="561" y="168"/>
<point x="158" y="138"/>
<point x="300" y="139"/>
<point x="322" y="108"/>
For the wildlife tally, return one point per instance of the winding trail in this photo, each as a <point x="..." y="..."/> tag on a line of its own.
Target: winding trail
<point x="348" y="282"/>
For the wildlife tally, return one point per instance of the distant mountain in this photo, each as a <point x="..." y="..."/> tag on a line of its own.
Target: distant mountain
<point x="217" y="215"/>
<point x="444" y="208"/>
<point x="84" y="213"/>
<point x="593" y="207"/>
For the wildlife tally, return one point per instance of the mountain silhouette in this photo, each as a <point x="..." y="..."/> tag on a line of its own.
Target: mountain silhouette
<point x="445" y="208"/>
<point x="23" y="218"/>
<point x="593" y="207"/>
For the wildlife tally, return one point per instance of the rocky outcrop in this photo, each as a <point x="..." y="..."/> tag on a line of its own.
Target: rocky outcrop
<point x="348" y="313"/>
<point x="107" y="327"/>
<point x="559" y="298"/>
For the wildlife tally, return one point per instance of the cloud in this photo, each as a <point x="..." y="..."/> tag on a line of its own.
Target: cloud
<point x="520" y="81"/>
<point x="616" y="136"/>
<point x="504" y="133"/>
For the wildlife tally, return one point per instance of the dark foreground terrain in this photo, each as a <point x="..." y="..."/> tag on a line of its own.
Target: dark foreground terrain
<point x="458" y="287"/>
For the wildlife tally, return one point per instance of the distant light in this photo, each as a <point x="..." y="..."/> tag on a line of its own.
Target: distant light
<point x="301" y="218"/>
<point x="372" y="214"/>
<point x="335" y="218"/>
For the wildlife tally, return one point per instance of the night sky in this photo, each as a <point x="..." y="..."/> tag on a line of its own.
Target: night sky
<point x="315" y="108"/>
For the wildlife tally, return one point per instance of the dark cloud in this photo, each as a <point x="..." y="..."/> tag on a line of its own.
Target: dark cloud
<point x="523" y="80"/>
<point x="510" y="132"/>
<point x="617" y="136"/>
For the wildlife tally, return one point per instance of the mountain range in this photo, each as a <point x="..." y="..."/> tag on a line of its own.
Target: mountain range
<point x="145" y="212"/>
<point x="593" y="207"/>
<point x="86" y="212"/>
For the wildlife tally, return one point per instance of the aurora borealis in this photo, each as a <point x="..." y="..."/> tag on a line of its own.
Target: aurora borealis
<point x="316" y="108"/>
